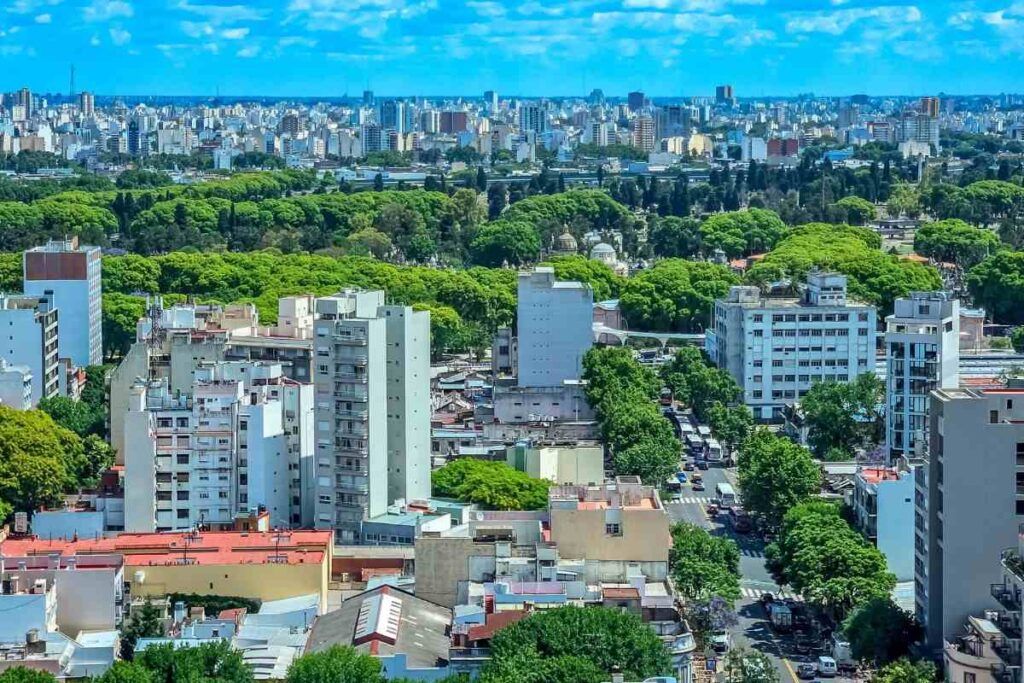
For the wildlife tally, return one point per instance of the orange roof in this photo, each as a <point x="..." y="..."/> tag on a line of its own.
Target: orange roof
<point x="617" y="593"/>
<point x="208" y="547"/>
<point x="873" y="475"/>
<point x="915" y="257"/>
<point x="495" y="621"/>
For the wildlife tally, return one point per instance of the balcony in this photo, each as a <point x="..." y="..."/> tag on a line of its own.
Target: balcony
<point x="1009" y="623"/>
<point x="1008" y="650"/>
<point x="350" y="396"/>
<point x="1006" y="596"/>
<point x="1012" y="563"/>
<point x="353" y="340"/>
<point x="352" y="377"/>
<point x="352" y="414"/>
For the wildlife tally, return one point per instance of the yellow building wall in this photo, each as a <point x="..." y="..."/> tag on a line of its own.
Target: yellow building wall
<point x="262" y="581"/>
<point x="581" y="534"/>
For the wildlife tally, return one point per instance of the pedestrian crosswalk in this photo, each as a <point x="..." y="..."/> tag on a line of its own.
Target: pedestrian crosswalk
<point x="689" y="500"/>
<point x="756" y="593"/>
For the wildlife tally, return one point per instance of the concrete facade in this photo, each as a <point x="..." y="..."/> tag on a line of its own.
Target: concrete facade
<point x="555" y="328"/>
<point x="922" y="353"/>
<point x="15" y="385"/>
<point x="29" y="336"/>
<point x="776" y="348"/>
<point x="969" y="498"/>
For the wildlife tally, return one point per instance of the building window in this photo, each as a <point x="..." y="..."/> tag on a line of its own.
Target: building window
<point x="612" y="529"/>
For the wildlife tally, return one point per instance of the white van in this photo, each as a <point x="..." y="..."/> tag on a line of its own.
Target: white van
<point x="827" y="667"/>
<point x="725" y="494"/>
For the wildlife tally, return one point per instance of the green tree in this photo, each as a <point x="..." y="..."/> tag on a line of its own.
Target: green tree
<point x="997" y="284"/>
<point x="37" y="459"/>
<point x="858" y="210"/>
<point x="730" y="424"/>
<point x="1017" y="339"/>
<point x="697" y="384"/>
<point x="493" y="485"/>
<point x="502" y="242"/>
<point x="704" y="566"/>
<point x="78" y="416"/>
<point x="774" y="475"/>
<point x="21" y="674"/>
<point x="674" y="295"/>
<point x="596" y="639"/>
<point x="906" y="671"/>
<point x="216" y="661"/>
<point x="144" y="623"/>
<point x="841" y="416"/>
<point x="121" y="314"/>
<point x="955" y="241"/>
<point x="673" y="237"/>
<point x="879" y="631"/>
<point x="368" y="242"/>
<point x="741" y="233"/>
<point x="338" y="664"/>
<point x="827" y="561"/>
<point x="579" y="268"/>
<point x="125" y="672"/>
<point x="749" y="666"/>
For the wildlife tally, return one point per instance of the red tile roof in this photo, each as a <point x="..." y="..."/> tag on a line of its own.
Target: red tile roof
<point x="208" y="547"/>
<point x="494" y="623"/>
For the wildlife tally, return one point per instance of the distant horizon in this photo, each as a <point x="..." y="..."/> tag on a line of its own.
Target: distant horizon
<point x="199" y="47"/>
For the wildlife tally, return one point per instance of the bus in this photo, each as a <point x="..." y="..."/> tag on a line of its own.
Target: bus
<point x="714" y="450"/>
<point x="695" y="445"/>
<point x="686" y="427"/>
<point x="704" y="431"/>
<point x="725" y="494"/>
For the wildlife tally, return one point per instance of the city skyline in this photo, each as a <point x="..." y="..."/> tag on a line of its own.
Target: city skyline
<point x="311" y="48"/>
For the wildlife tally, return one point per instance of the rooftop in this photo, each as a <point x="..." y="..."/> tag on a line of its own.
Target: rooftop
<point x="873" y="475"/>
<point x="205" y="548"/>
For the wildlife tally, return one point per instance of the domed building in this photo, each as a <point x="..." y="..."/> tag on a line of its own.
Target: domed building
<point x="566" y="244"/>
<point x="605" y="253"/>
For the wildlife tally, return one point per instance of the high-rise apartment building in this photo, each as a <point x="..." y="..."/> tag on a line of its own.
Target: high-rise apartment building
<point x="240" y="439"/>
<point x="491" y="101"/>
<point x="533" y="117"/>
<point x="724" y="94"/>
<point x="71" y="272"/>
<point x="969" y="504"/>
<point x="554" y="320"/>
<point x="930" y="106"/>
<point x="922" y="353"/>
<point x="394" y="116"/>
<point x="368" y="99"/>
<point x="290" y="124"/>
<point x="372" y="409"/>
<point x="923" y="128"/>
<point x="643" y="133"/>
<point x="776" y="348"/>
<point x="134" y="139"/>
<point x="87" y="103"/>
<point x="29" y="337"/>
<point x="15" y="385"/>
<point x="454" y="121"/>
<point x="636" y="100"/>
<point x="372" y="137"/>
<point x="24" y="100"/>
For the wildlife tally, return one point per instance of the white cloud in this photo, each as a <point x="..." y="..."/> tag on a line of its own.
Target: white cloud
<point x="839" y="21"/>
<point x="222" y="14"/>
<point x="234" y="33"/>
<point x="95" y="41"/>
<point x="751" y="37"/>
<point x="196" y="29"/>
<point x="29" y="6"/>
<point x="291" y="41"/>
<point x="249" y="51"/>
<point x="43" y="18"/>
<point x="105" y="10"/>
<point x="119" y="36"/>
<point x="487" y="8"/>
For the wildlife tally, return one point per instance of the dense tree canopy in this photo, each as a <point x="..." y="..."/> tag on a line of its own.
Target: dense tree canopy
<point x="699" y="385"/>
<point x="874" y="277"/>
<point x="575" y="645"/>
<point x="492" y="485"/>
<point x="997" y="284"/>
<point x="879" y="631"/>
<point x="674" y="295"/>
<point x="827" y="561"/>
<point x="775" y="474"/>
<point x="842" y="416"/>
<point x="955" y="241"/>
<point x="906" y="671"/>
<point x="339" y="664"/>
<point x="704" y="566"/>
<point x="741" y="233"/>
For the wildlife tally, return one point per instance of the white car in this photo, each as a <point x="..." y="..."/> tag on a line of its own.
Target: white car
<point x="720" y="641"/>
<point x="827" y="667"/>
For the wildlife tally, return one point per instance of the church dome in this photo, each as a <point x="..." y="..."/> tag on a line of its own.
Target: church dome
<point x="604" y="252"/>
<point x="567" y="243"/>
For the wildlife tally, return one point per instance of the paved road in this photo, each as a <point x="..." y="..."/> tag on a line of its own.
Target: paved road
<point x="752" y="631"/>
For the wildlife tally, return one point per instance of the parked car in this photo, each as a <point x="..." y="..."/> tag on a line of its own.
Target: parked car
<point x="702" y="464"/>
<point x="720" y="641"/>
<point x="806" y="671"/>
<point x="688" y="466"/>
<point x="698" y="485"/>
<point x="681" y="477"/>
<point x="827" y="667"/>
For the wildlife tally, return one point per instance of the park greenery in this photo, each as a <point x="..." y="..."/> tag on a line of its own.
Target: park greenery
<point x="622" y="392"/>
<point x="906" y="671"/>
<point x="492" y="485"/>
<point x="826" y="560"/>
<point x="575" y="645"/>
<point x="697" y="384"/>
<point x="775" y="475"/>
<point x="880" y="632"/>
<point x="955" y="241"/>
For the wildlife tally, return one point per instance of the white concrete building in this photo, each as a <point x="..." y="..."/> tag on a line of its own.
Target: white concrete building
<point x="240" y="439"/>
<point x="969" y="504"/>
<point x="29" y="337"/>
<point x="883" y="506"/>
<point x="922" y="353"/>
<point x="72" y="274"/>
<point x="372" y="381"/>
<point x="15" y="385"/>
<point x="776" y="348"/>
<point x="555" y="328"/>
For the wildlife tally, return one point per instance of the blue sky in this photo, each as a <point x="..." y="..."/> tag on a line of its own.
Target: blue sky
<point x="538" y="47"/>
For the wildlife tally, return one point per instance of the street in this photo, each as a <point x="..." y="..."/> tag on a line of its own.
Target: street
<point x="753" y="630"/>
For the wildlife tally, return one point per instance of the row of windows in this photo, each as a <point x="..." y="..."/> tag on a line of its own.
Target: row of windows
<point x="811" y="317"/>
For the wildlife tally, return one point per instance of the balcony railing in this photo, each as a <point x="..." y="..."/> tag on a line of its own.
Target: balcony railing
<point x="1008" y="650"/>
<point x="1012" y="562"/>
<point x="354" y="340"/>
<point x="1006" y="596"/>
<point x="1009" y="623"/>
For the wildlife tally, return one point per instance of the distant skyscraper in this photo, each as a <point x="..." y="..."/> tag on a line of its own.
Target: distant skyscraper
<point x="723" y="94"/>
<point x="532" y="117"/>
<point x="373" y="140"/>
<point x="134" y="139"/>
<point x="930" y="106"/>
<point x="86" y="103"/>
<point x="636" y="100"/>
<point x="70" y="274"/>
<point x="393" y="115"/>
<point x="491" y="101"/>
<point x="454" y="121"/>
<point x="290" y="124"/>
<point x="368" y="100"/>
<point x="596" y="97"/>
<point x="643" y="133"/>
<point x="25" y="100"/>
